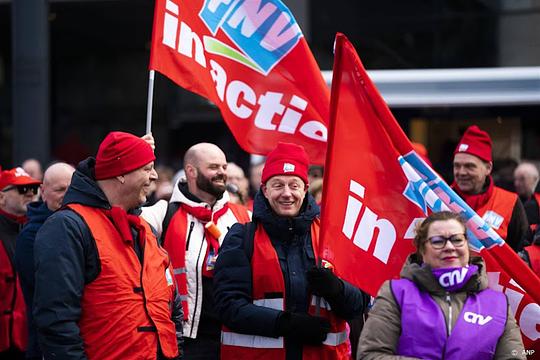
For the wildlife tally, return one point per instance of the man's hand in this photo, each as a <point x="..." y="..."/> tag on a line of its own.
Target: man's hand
<point x="150" y="140"/>
<point x="303" y="328"/>
<point x="323" y="282"/>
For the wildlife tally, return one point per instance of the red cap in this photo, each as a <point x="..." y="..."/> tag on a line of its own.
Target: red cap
<point x="475" y="142"/>
<point x="286" y="159"/>
<point x="16" y="176"/>
<point x="120" y="153"/>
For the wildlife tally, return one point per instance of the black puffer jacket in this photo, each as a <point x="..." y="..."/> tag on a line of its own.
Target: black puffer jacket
<point x="291" y="237"/>
<point x="66" y="259"/>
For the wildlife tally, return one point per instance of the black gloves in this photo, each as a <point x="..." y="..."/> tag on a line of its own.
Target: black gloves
<point x="303" y="328"/>
<point x="323" y="282"/>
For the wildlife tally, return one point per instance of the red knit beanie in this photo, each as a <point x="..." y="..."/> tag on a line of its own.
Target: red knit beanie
<point x="286" y="159"/>
<point x="475" y="142"/>
<point x="120" y="153"/>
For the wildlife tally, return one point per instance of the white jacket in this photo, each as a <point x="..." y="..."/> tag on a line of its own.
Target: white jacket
<point x="196" y="250"/>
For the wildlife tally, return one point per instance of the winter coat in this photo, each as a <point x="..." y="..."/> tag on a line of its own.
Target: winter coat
<point x="381" y="333"/>
<point x="291" y="238"/>
<point x="37" y="213"/>
<point x="66" y="260"/>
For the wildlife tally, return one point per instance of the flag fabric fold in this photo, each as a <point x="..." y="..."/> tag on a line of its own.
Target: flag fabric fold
<point x="250" y="59"/>
<point x="378" y="188"/>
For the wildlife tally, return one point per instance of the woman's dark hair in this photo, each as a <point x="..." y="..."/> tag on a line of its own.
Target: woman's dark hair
<point x="420" y="238"/>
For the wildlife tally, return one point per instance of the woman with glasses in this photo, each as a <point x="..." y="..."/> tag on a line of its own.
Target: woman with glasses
<point x="441" y="307"/>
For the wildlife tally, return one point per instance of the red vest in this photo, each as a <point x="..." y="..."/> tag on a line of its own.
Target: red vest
<point x="268" y="279"/>
<point x="126" y="310"/>
<point x="13" y="328"/>
<point x="534" y="257"/>
<point x="175" y="244"/>
<point x="498" y="210"/>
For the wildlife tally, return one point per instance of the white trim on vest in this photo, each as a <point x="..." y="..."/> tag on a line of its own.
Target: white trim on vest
<point x="323" y="304"/>
<point x="276" y="303"/>
<point x="251" y="341"/>
<point x="335" y="339"/>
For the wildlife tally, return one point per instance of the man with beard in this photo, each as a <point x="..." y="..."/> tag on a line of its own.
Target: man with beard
<point x="501" y="209"/>
<point x="194" y="224"/>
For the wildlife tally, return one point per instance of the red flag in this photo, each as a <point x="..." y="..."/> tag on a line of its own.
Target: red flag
<point x="366" y="227"/>
<point x="380" y="187"/>
<point x="251" y="60"/>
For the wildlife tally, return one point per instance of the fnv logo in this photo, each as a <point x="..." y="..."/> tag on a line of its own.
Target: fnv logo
<point x="453" y="277"/>
<point x="473" y="318"/>
<point x="264" y="30"/>
<point x="363" y="236"/>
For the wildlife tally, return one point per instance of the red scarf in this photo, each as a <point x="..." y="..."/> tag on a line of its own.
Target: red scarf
<point x="205" y="215"/>
<point x="476" y="201"/>
<point x="18" y="219"/>
<point x="123" y="222"/>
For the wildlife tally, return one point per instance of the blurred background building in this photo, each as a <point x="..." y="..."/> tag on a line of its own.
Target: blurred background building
<point x="73" y="70"/>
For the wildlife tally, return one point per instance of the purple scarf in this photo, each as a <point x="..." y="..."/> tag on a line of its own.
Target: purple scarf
<point x="453" y="279"/>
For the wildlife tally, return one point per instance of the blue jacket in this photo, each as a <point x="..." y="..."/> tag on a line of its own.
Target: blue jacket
<point x="291" y="237"/>
<point x="37" y="213"/>
<point x="66" y="259"/>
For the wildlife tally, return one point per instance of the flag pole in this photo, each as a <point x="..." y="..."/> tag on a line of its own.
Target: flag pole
<point x="150" y="101"/>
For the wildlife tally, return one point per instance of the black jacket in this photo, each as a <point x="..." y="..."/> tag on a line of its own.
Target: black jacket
<point x="66" y="259"/>
<point x="37" y="213"/>
<point x="292" y="240"/>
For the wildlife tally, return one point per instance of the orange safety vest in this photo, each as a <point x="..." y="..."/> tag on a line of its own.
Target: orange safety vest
<point x="13" y="328"/>
<point x="175" y="244"/>
<point x="268" y="279"/>
<point x="126" y="310"/>
<point x="497" y="211"/>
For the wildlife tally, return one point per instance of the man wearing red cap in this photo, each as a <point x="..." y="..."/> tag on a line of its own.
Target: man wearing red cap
<point x="104" y="287"/>
<point x="473" y="182"/>
<point x="195" y="222"/>
<point x="266" y="284"/>
<point x="17" y="189"/>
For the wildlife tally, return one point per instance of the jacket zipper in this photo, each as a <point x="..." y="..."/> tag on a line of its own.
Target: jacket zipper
<point x="448" y="300"/>
<point x="196" y="288"/>
<point x="449" y="324"/>
<point x="191" y="225"/>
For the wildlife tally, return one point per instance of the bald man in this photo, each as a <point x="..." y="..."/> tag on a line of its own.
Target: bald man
<point x="56" y="180"/>
<point x="193" y="226"/>
<point x="525" y="180"/>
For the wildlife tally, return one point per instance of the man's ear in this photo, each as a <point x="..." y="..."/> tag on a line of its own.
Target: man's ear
<point x="191" y="171"/>
<point x="264" y="189"/>
<point x="121" y="178"/>
<point x="489" y="167"/>
<point x="2" y="199"/>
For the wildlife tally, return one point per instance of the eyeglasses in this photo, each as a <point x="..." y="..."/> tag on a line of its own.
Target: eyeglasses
<point x="439" y="242"/>
<point x="23" y="189"/>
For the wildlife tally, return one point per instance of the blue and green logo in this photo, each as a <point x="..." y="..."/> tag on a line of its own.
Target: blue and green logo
<point x="264" y="30"/>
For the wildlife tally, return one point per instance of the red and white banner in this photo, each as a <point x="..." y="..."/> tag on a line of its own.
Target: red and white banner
<point x="248" y="57"/>
<point x="379" y="188"/>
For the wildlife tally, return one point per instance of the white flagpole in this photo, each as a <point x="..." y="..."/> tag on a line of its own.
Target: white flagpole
<point x="150" y="102"/>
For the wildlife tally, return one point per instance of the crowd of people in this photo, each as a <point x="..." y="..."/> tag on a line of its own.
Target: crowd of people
<point x="110" y="260"/>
